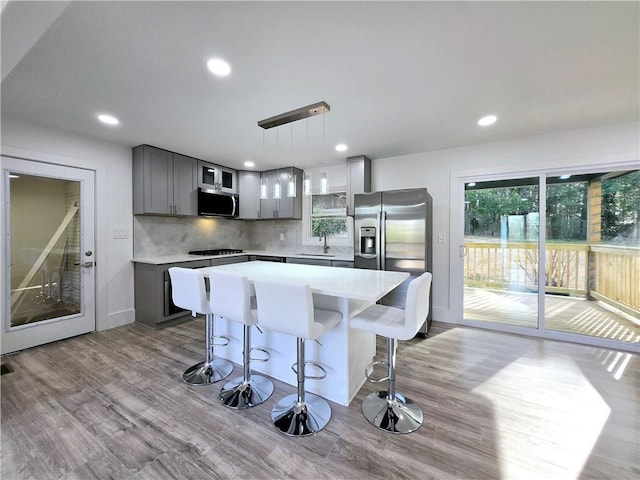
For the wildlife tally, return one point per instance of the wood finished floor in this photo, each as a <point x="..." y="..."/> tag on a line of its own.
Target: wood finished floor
<point x="497" y="406"/>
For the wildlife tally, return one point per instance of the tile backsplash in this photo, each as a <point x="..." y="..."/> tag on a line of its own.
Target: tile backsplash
<point x="158" y="236"/>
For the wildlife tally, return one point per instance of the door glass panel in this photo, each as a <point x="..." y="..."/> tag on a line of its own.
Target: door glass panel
<point x="593" y="258"/>
<point x="501" y="244"/>
<point x="45" y="248"/>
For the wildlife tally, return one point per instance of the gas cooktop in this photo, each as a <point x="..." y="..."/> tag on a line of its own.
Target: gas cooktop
<point x="217" y="251"/>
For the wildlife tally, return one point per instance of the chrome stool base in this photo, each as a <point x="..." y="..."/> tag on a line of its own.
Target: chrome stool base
<point x="399" y="415"/>
<point x="239" y="394"/>
<point x="206" y="374"/>
<point x="300" y="419"/>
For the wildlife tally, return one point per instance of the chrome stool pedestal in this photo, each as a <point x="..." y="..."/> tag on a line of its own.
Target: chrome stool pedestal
<point x="249" y="390"/>
<point x="302" y="413"/>
<point x="212" y="370"/>
<point x="388" y="410"/>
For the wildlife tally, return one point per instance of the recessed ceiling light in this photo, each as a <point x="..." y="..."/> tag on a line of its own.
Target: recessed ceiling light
<point x="108" y="119"/>
<point x="219" y="67"/>
<point x="249" y="164"/>
<point x="487" y="120"/>
<point x="341" y="147"/>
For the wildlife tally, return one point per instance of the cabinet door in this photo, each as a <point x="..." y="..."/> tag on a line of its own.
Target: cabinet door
<point x="269" y="206"/>
<point x="158" y="180"/>
<point x="185" y="183"/>
<point x="249" y="191"/>
<point x="290" y="207"/>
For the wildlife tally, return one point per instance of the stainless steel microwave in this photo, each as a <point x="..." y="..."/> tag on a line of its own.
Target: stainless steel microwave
<point x="213" y="203"/>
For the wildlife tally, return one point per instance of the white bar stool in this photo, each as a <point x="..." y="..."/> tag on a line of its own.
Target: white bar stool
<point x="389" y="410"/>
<point x="288" y="308"/>
<point x="230" y="298"/>
<point x="189" y="291"/>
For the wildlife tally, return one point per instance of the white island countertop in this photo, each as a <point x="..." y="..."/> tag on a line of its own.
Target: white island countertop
<point x="356" y="284"/>
<point x="185" y="257"/>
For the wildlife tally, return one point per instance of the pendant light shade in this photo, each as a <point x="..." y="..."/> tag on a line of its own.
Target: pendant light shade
<point x="306" y="187"/>
<point x="291" y="186"/>
<point x="323" y="184"/>
<point x="263" y="189"/>
<point x="276" y="189"/>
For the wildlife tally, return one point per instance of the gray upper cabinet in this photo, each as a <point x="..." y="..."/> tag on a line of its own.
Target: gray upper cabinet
<point x="164" y="183"/>
<point x="358" y="179"/>
<point x="285" y="206"/>
<point x="249" y="192"/>
<point x="216" y="177"/>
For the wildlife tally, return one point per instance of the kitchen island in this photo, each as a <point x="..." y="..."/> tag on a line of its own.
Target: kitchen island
<point x="343" y="352"/>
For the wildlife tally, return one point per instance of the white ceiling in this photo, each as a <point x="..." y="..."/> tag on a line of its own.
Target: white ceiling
<point x="400" y="77"/>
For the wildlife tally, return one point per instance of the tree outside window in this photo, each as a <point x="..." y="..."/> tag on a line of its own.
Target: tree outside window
<point x="329" y="215"/>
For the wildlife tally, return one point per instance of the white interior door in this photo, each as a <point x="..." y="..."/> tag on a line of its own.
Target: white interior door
<point x="48" y="258"/>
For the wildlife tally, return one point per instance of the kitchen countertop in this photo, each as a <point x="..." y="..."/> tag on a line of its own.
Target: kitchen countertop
<point x="185" y="257"/>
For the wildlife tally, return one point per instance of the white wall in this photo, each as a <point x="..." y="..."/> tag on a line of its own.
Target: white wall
<point x="436" y="170"/>
<point x="112" y="164"/>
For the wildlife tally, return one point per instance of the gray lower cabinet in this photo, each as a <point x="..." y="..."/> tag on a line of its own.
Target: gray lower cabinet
<point x="320" y="261"/>
<point x="309" y="261"/>
<point x="153" y="304"/>
<point x="341" y="263"/>
<point x="164" y="183"/>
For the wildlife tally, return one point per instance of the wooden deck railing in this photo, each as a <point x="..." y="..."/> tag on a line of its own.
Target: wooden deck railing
<point x="610" y="274"/>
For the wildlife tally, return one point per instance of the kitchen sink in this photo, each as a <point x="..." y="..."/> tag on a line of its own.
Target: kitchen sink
<point x="316" y="254"/>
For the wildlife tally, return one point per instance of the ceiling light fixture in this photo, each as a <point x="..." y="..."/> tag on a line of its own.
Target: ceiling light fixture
<point x="219" y="67"/>
<point x="341" y="147"/>
<point x="323" y="184"/>
<point x="108" y="119"/>
<point x="295" y="115"/>
<point x="249" y="164"/>
<point x="487" y="120"/>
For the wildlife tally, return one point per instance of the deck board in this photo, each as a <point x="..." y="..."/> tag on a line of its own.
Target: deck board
<point x="564" y="314"/>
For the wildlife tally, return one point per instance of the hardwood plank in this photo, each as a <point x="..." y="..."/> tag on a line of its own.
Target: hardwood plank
<point x="113" y="405"/>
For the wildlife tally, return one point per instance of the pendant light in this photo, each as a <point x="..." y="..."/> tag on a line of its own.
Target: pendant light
<point x="263" y="189"/>
<point x="306" y="187"/>
<point x="276" y="189"/>
<point x="291" y="186"/>
<point x="323" y="184"/>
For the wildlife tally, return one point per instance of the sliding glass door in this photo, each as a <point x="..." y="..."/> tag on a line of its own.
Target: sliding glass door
<point x="501" y="251"/>
<point x="556" y="255"/>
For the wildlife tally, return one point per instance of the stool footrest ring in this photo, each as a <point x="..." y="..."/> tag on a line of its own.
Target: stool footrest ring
<point x="261" y="350"/>
<point x="224" y="343"/>
<point x="369" y="371"/>
<point x="294" y="367"/>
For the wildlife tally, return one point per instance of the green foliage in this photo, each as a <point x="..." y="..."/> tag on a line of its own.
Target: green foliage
<point x="330" y="226"/>
<point x="621" y="208"/>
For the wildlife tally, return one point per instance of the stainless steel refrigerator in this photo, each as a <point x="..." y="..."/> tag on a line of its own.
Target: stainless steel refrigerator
<point x="393" y="231"/>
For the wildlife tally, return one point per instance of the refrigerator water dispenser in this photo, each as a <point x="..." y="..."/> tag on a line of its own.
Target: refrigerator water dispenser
<point x="368" y="240"/>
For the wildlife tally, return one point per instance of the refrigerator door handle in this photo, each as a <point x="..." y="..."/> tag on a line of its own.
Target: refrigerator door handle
<point x="382" y="221"/>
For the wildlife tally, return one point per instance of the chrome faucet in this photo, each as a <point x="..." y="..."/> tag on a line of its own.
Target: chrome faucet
<point x="325" y="246"/>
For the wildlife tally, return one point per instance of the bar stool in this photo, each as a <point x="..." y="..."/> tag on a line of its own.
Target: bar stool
<point x="389" y="410"/>
<point x="288" y="308"/>
<point x="189" y="292"/>
<point x="230" y="298"/>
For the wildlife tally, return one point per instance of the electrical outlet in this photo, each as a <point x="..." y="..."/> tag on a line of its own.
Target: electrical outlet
<point x="441" y="238"/>
<point x="120" y="234"/>
<point x="282" y="236"/>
